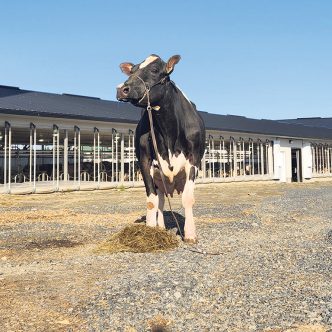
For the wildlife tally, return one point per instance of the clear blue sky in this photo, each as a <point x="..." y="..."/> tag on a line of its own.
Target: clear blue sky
<point x="257" y="58"/>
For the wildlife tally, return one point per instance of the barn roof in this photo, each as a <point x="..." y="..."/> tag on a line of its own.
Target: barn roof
<point x="315" y="122"/>
<point x="25" y="102"/>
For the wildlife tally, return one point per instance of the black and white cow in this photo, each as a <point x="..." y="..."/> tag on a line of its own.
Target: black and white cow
<point x="180" y="136"/>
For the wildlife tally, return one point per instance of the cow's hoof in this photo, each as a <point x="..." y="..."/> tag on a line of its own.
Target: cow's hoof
<point x="190" y="241"/>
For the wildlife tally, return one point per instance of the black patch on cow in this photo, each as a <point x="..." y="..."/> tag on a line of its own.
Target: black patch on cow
<point x="178" y="183"/>
<point x="192" y="173"/>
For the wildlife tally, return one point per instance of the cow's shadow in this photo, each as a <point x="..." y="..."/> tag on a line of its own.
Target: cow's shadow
<point x="170" y="223"/>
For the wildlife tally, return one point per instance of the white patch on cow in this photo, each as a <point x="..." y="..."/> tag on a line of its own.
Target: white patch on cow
<point x="120" y="86"/>
<point x="178" y="163"/>
<point x="147" y="61"/>
<point x="188" y="201"/>
<point x="151" y="211"/>
<point x="184" y="95"/>
<point x="152" y="169"/>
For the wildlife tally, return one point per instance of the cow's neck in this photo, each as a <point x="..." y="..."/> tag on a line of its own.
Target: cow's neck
<point x="167" y="120"/>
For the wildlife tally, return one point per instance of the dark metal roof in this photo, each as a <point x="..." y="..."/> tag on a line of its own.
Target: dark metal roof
<point x="314" y="122"/>
<point x="16" y="101"/>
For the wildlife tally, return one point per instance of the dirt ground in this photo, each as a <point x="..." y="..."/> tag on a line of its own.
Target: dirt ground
<point x="51" y="272"/>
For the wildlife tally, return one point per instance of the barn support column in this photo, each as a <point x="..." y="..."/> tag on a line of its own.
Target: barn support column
<point x="213" y="159"/>
<point x="234" y="157"/>
<point x="34" y="157"/>
<point x="326" y="159"/>
<point x="53" y="157"/>
<point x="75" y="154"/>
<point x="323" y="159"/>
<point x="251" y="160"/>
<point x="223" y="156"/>
<point x="94" y="155"/>
<point x="209" y="161"/>
<point x="112" y="155"/>
<point x="220" y="158"/>
<point x="262" y="158"/>
<point x="259" y="164"/>
<point x="204" y="166"/>
<point x="266" y="155"/>
<point x="116" y="158"/>
<point x="65" y="156"/>
<point x="122" y="159"/>
<point x="230" y="158"/>
<point x="316" y="158"/>
<point x="30" y="152"/>
<point x="57" y="160"/>
<point x="129" y="157"/>
<point x="5" y="157"/>
<point x="313" y="158"/>
<point x="56" y="155"/>
<point x="320" y="158"/>
<point x="270" y="158"/>
<point x="133" y="155"/>
<point x="243" y="158"/>
<point x="8" y="173"/>
<point x="9" y="158"/>
<point x="98" y="157"/>
<point x="79" y="157"/>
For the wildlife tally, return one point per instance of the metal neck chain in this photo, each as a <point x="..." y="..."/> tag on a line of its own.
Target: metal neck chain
<point x="148" y="88"/>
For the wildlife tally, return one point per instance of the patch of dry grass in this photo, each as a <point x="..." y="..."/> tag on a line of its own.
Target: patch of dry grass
<point x="140" y="239"/>
<point x="159" y="324"/>
<point x="64" y="216"/>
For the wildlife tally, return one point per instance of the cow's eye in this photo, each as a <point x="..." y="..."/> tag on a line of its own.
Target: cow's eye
<point x="154" y="70"/>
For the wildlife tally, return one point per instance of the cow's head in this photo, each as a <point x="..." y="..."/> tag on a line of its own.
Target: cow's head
<point x="152" y="73"/>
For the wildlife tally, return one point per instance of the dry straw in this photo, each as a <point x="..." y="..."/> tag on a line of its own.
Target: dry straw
<point x="140" y="239"/>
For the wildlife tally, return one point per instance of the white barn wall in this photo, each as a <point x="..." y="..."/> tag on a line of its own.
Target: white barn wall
<point x="306" y="161"/>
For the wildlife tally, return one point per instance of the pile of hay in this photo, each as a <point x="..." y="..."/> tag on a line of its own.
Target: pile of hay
<point x="140" y="239"/>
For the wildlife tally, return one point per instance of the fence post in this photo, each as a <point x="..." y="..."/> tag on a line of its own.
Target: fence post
<point x="122" y="160"/>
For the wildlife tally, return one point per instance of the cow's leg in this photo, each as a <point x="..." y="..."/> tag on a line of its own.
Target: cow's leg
<point x="152" y="203"/>
<point x="152" y="200"/>
<point x="160" y="220"/>
<point x="188" y="202"/>
<point x="142" y="144"/>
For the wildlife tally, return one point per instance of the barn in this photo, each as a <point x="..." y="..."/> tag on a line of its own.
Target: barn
<point x="63" y="142"/>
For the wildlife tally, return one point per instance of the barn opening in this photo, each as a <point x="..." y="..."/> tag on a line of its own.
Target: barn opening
<point x="296" y="165"/>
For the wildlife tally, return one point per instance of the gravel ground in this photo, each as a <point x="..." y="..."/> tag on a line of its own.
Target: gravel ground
<point x="274" y="271"/>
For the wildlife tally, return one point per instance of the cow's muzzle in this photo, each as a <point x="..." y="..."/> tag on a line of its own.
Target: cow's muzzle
<point x="122" y="92"/>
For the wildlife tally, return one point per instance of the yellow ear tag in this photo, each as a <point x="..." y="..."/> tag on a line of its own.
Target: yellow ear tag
<point x="156" y="108"/>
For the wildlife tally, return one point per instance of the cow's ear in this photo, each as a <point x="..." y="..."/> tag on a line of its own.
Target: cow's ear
<point x="126" y="67"/>
<point x="171" y="63"/>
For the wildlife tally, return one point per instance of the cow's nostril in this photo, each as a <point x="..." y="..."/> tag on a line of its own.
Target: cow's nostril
<point x="125" y="90"/>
